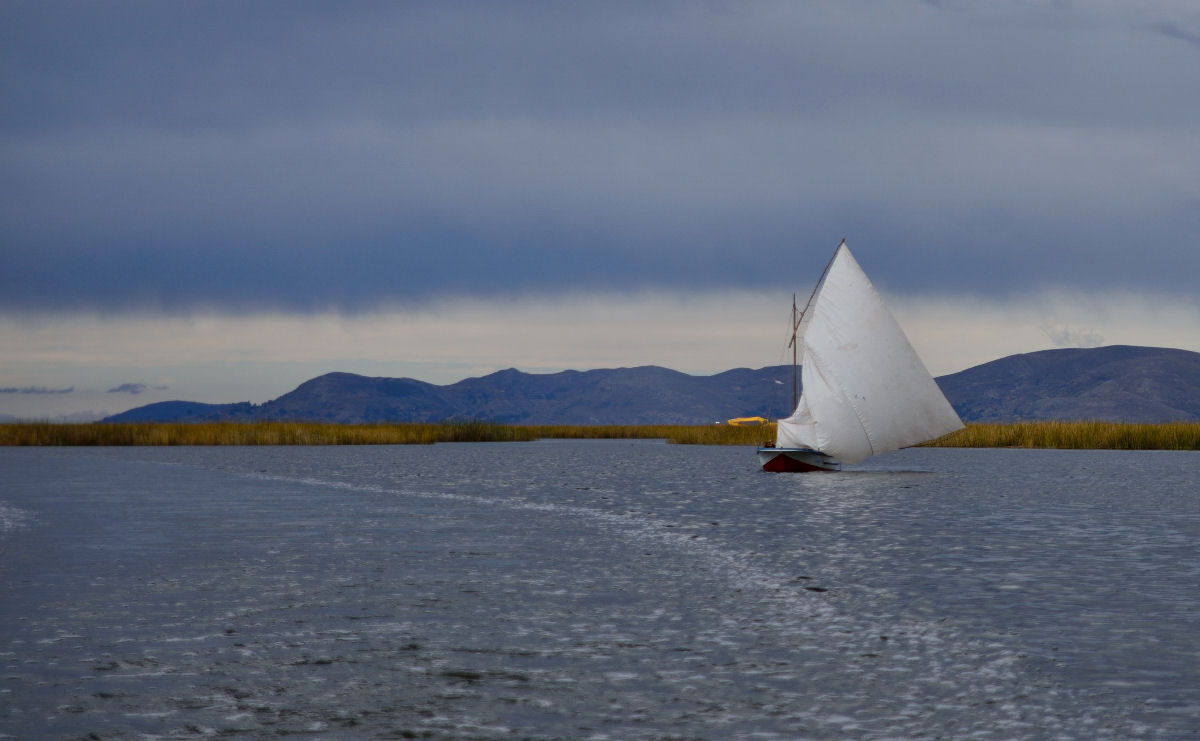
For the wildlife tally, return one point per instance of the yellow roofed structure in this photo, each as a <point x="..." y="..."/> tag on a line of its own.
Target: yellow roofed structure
<point x="748" y="421"/>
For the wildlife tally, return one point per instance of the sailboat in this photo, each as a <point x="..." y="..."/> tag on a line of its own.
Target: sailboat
<point x="863" y="389"/>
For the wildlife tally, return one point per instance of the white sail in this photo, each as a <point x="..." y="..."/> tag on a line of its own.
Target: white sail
<point x="864" y="389"/>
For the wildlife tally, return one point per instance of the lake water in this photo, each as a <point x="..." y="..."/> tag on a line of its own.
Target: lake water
<point x="596" y="590"/>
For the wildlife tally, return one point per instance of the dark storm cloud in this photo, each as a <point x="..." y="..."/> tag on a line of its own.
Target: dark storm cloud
<point x="308" y="155"/>
<point x="128" y="388"/>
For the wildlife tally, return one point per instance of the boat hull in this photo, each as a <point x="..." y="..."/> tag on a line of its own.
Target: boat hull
<point x="795" y="460"/>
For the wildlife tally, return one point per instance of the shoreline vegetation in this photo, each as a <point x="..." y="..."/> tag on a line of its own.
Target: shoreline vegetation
<point x="1094" y="435"/>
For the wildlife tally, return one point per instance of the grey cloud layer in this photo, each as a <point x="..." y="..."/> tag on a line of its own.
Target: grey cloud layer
<point x="312" y="155"/>
<point x="35" y="390"/>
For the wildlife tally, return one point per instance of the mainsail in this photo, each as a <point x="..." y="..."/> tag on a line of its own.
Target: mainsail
<point x="864" y="389"/>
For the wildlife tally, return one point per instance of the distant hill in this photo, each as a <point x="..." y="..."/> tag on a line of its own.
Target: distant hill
<point x="643" y="395"/>
<point x="1117" y="383"/>
<point x="1120" y="383"/>
<point x="187" y="411"/>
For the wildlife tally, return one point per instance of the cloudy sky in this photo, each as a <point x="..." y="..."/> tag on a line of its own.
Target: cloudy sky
<point x="217" y="201"/>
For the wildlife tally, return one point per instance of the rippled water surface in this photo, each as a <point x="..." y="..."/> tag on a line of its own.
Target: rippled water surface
<point x="603" y="590"/>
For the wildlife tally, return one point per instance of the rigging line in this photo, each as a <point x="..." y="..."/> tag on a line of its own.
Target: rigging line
<point x="793" y="324"/>
<point x="817" y="287"/>
<point x="798" y="319"/>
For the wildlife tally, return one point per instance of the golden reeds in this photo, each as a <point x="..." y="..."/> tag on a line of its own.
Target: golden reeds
<point x="683" y="434"/>
<point x="256" y="433"/>
<point x="1089" y="435"/>
<point x="1084" y="435"/>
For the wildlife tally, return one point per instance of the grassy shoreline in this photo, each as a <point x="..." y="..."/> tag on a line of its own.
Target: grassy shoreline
<point x="1091" y="435"/>
<point x="1074" y="435"/>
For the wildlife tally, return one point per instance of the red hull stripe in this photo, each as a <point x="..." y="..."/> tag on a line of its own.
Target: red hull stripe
<point x="786" y="464"/>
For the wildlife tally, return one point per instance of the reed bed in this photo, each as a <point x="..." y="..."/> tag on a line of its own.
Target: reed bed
<point x="1078" y="435"/>
<point x="681" y="434"/>
<point x="1085" y="435"/>
<point x="257" y="433"/>
<point x="311" y="433"/>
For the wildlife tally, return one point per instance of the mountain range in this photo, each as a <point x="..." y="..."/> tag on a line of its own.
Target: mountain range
<point x="1118" y="383"/>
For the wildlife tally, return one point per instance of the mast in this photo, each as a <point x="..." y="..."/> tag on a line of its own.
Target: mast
<point x="797" y="318"/>
<point x="795" y="353"/>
